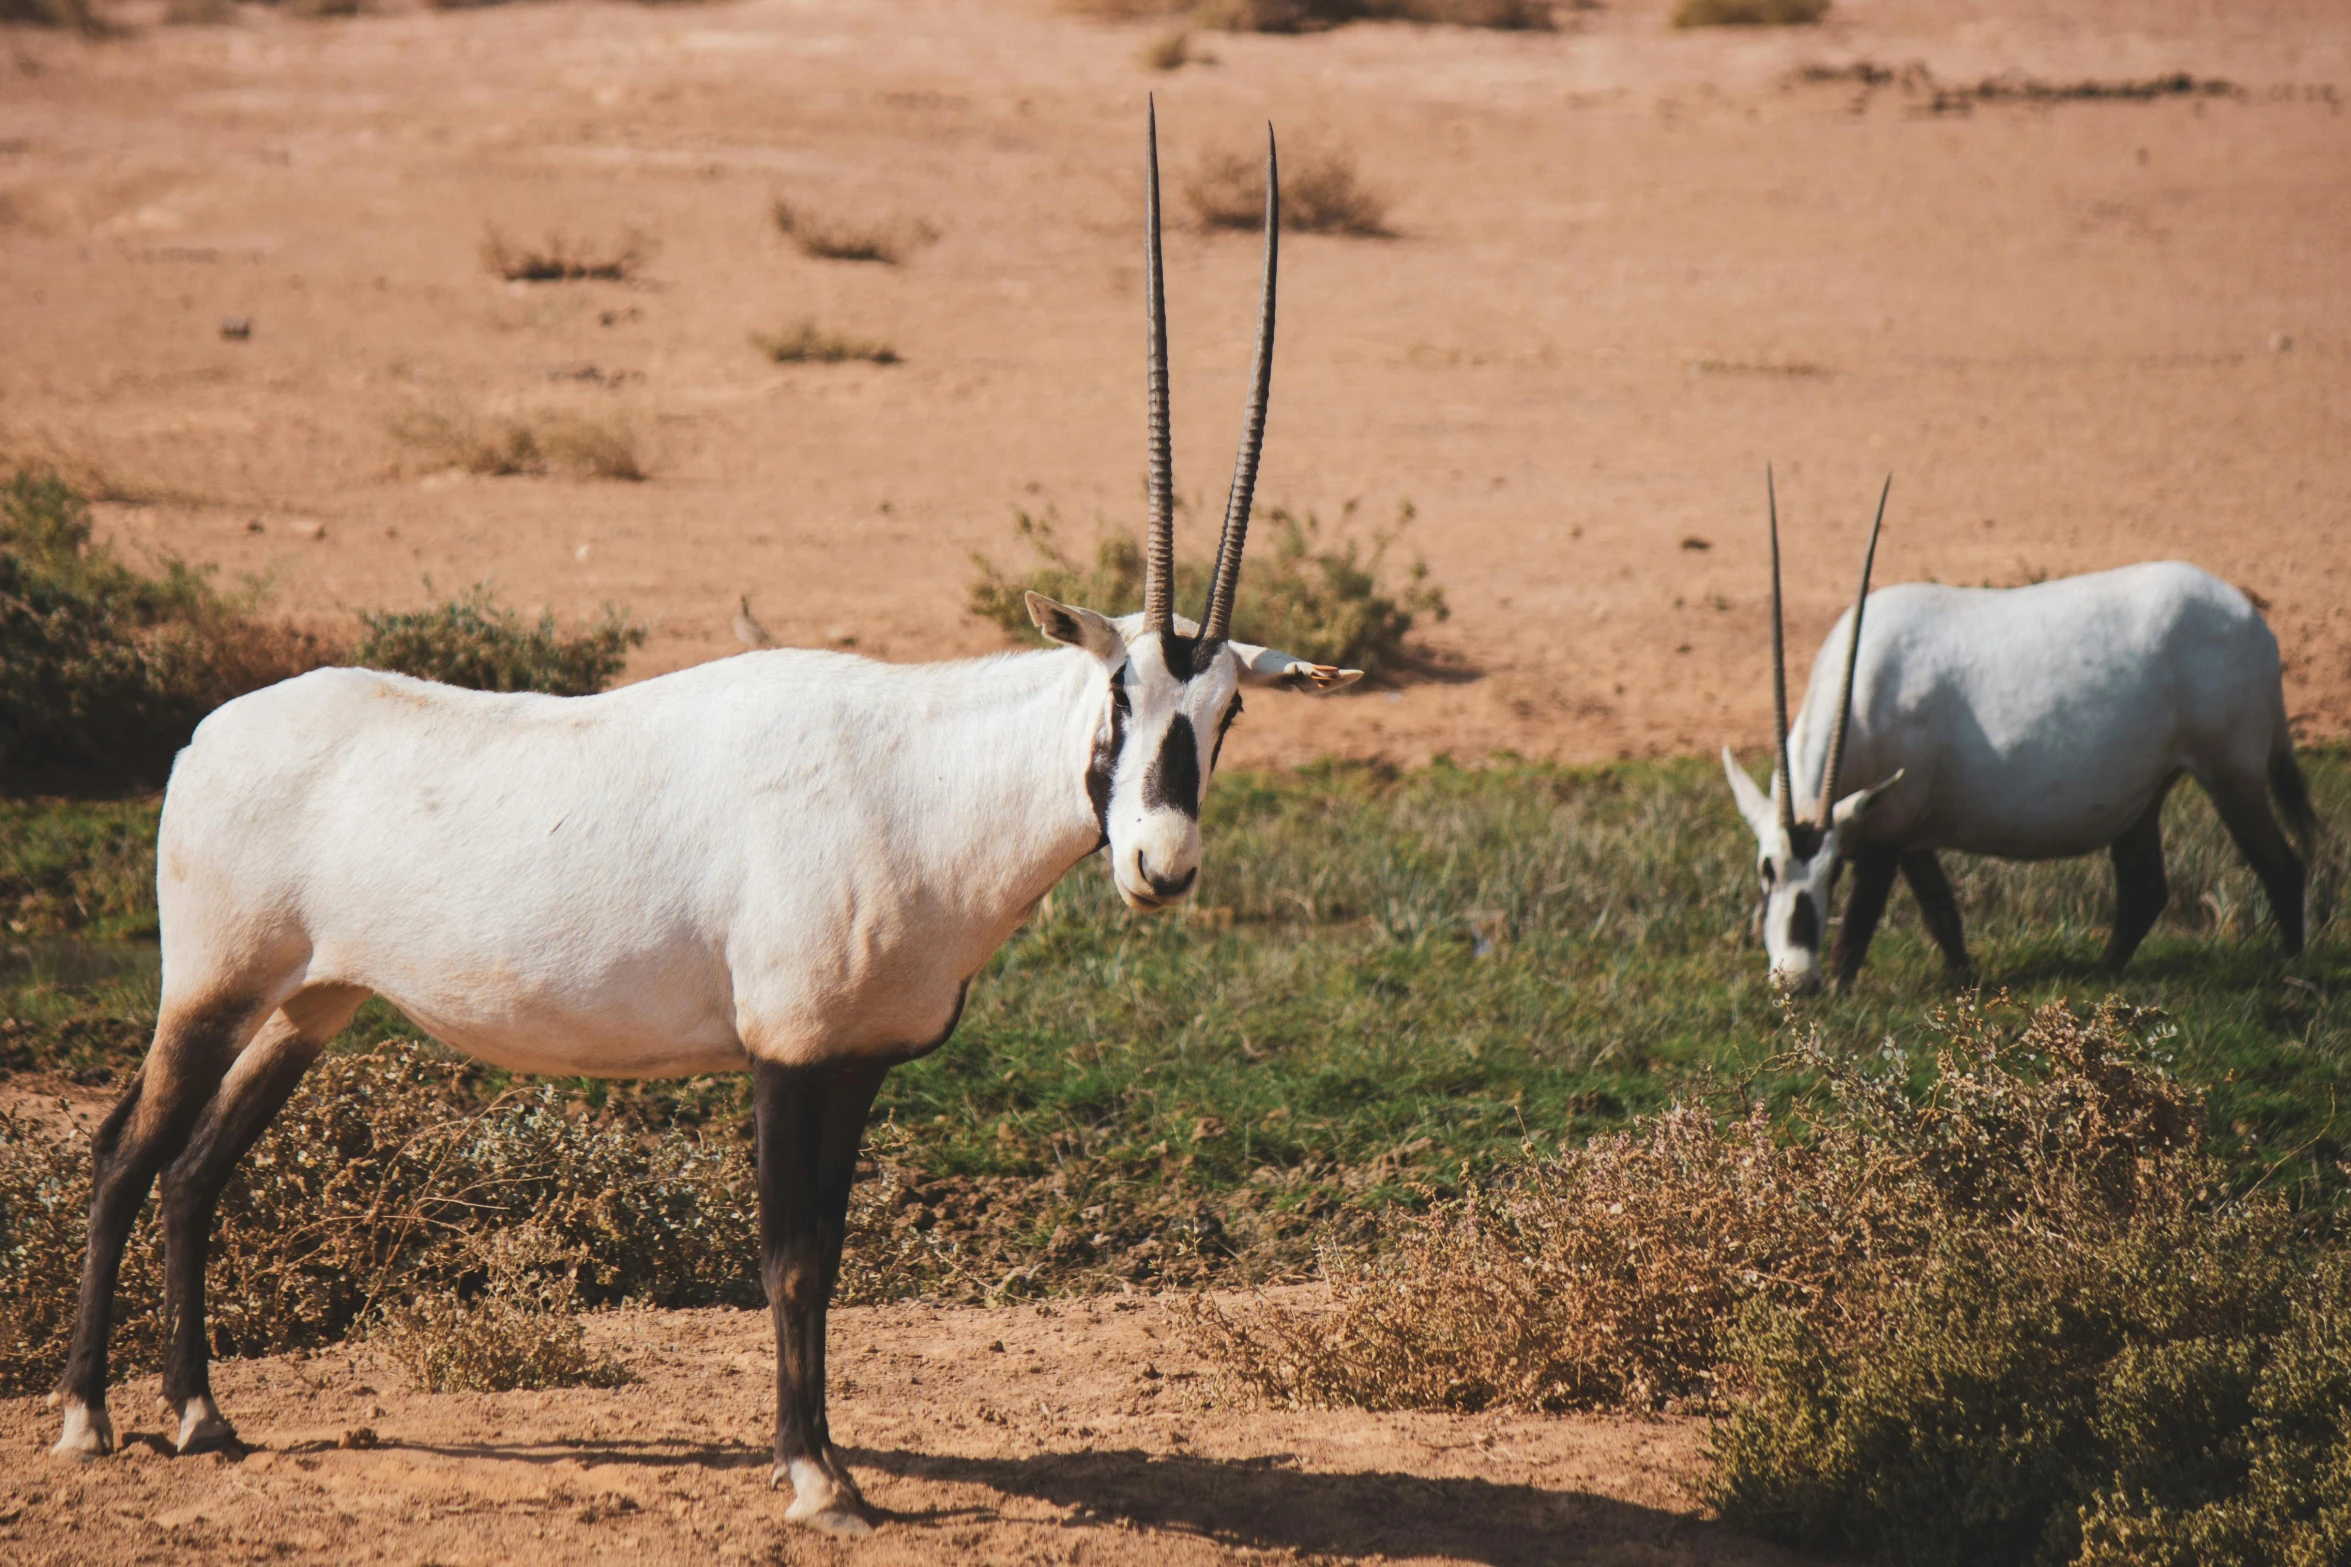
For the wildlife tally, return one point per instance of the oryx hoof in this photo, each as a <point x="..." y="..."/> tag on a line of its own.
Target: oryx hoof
<point x="88" y="1434"/>
<point x="822" y="1502"/>
<point x="204" y="1429"/>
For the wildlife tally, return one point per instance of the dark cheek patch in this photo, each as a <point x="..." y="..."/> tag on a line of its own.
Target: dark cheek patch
<point x="1804" y="923"/>
<point x="1102" y="767"/>
<point x="1174" y="780"/>
<point x="1223" y="727"/>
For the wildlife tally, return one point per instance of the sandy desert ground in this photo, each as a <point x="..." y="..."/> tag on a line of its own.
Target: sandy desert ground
<point x="1073" y="1433"/>
<point x="1630" y="265"/>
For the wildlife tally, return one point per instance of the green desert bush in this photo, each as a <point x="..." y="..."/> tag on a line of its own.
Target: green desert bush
<point x="1327" y="599"/>
<point x="473" y="641"/>
<point x="105" y="670"/>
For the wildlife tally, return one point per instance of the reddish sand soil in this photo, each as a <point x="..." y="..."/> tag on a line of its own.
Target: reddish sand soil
<point x="1630" y="266"/>
<point x="1081" y="1433"/>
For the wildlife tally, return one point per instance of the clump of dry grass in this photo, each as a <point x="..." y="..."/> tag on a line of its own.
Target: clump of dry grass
<point x="1322" y="193"/>
<point x="1749" y="13"/>
<point x="74" y="14"/>
<point x="833" y="237"/>
<point x="1308" y="16"/>
<point x="572" y="445"/>
<point x="806" y="343"/>
<point x="560" y="259"/>
<point x="1615" y="1274"/>
<point x="517" y="1330"/>
<point x="1170" y="51"/>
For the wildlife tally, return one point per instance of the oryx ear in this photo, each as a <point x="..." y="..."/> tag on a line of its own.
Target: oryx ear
<point x="1259" y="666"/>
<point x="1754" y="804"/>
<point x="1855" y="806"/>
<point x="1075" y="627"/>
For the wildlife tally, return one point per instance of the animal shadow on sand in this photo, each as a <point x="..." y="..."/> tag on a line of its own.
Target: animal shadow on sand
<point x="1266" y="1504"/>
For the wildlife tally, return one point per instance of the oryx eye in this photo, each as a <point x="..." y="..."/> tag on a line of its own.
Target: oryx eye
<point x="1769" y="873"/>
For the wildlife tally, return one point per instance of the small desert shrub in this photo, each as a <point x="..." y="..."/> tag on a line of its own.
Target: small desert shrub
<point x="835" y="238"/>
<point x="1749" y="13"/>
<point x="1307" y="16"/>
<point x="517" y="1330"/>
<point x="104" y="670"/>
<point x="559" y="259"/>
<point x="1170" y="51"/>
<point x="1325" y="600"/>
<point x="575" y="446"/>
<point x="1321" y="194"/>
<point x="806" y="343"/>
<point x="75" y="14"/>
<point x="473" y="641"/>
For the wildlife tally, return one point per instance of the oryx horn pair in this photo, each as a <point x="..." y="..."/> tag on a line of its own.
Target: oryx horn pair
<point x="1824" y="810"/>
<point x="1159" y="547"/>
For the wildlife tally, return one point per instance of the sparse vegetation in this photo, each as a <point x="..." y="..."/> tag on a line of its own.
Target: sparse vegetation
<point x="1321" y="194"/>
<point x="542" y="442"/>
<point x="105" y="670"/>
<point x="561" y="259"/>
<point x="835" y="238"/>
<point x="473" y="641"/>
<point x="518" y="1330"/>
<point x="1749" y="13"/>
<point x="1324" y="599"/>
<point x="806" y="343"/>
<point x="1309" y="16"/>
<point x="1170" y="51"/>
<point x="74" y="14"/>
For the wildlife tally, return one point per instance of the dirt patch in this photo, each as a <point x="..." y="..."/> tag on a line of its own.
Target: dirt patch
<point x="2079" y="333"/>
<point x="1069" y="1433"/>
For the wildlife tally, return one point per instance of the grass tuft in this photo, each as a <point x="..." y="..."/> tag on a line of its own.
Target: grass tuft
<point x="1749" y="13"/>
<point x="1325" y="600"/>
<point x="806" y="343"/>
<point x="1322" y="193"/>
<point x="559" y="259"/>
<point x="888" y="241"/>
<point x="1170" y="51"/>
<point x="517" y="1330"/>
<point x="473" y="641"/>
<point x="540" y="443"/>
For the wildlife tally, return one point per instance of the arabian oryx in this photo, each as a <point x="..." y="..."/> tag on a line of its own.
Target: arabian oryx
<point x="2032" y="723"/>
<point x="787" y="862"/>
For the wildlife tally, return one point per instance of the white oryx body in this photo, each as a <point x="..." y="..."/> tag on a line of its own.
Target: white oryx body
<point x="2028" y="723"/>
<point x="2038" y="723"/>
<point x="787" y="862"/>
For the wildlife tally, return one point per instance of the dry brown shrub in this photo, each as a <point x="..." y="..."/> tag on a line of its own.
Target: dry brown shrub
<point x="1615" y="1274"/>
<point x="1322" y="193"/>
<point x="561" y="259"/>
<point x="806" y="343"/>
<point x="1750" y="13"/>
<point x="1308" y="16"/>
<point x="518" y="1330"/>
<point x="837" y="238"/>
<point x="570" y="445"/>
<point x="1170" y="51"/>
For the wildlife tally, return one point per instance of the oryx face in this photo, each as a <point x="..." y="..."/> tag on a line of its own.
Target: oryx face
<point x="1172" y="698"/>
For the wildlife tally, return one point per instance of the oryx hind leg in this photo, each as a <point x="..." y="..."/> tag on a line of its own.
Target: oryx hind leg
<point x="254" y="1090"/>
<point x="2242" y="798"/>
<point x="194" y="1044"/>
<point x="1938" y="907"/>
<point x="2141" y="890"/>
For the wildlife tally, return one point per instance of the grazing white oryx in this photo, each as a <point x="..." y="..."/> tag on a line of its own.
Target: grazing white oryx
<point x="2032" y="723"/>
<point x="787" y="862"/>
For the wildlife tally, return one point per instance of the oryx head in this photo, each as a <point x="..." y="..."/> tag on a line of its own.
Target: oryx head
<point x="1797" y="861"/>
<point x="1175" y="684"/>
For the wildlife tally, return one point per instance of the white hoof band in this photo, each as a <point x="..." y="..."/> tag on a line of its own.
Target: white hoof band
<point x="822" y="1503"/>
<point x="203" y="1426"/>
<point x="88" y="1433"/>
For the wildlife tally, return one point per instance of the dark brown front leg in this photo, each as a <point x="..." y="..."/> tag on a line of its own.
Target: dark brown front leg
<point x="2140" y="887"/>
<point x="810" y="1122"/>
<point x="1873" y="880"/>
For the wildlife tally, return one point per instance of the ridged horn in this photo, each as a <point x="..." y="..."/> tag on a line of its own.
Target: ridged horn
<point x="1828" y="779"/>
<point x="1227" y="578"/>
<point x="1784" y="781"/>
<point x="1159" y="541"/>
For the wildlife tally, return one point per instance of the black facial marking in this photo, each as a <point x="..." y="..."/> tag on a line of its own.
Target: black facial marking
<point x="1102" y="766"/>
<point x="1223" y="724"/>
<point x="1804" y="923"/>
<point x="1804" y="842"/>
<point x="1183" y="656"/>
<point x="1174" y="779"/>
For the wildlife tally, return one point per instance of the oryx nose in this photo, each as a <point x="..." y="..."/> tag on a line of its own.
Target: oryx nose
<point x="1164" y="886"/>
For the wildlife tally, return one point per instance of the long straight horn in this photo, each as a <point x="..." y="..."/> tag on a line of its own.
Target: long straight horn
<point x="1159" y="544"/>
<point x="1828" y="779"/>
<point x="1227" y="579"/>
<point x="1779" y="669"/>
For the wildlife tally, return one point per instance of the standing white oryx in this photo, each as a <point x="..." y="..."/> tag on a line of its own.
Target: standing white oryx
<point x="787" y="862"/>
<point x="2032" y="723"/>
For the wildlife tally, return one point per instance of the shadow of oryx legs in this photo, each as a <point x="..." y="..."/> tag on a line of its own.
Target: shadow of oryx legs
<point x="810" y="1121"/>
